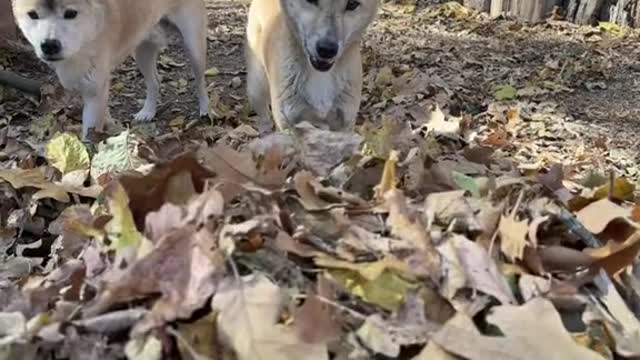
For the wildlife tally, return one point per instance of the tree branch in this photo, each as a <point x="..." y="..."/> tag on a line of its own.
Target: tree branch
<point x="15" y="81"/>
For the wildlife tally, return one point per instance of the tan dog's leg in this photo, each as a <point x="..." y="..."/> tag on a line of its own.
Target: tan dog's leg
<point x="146" y="56"/>
<point x="258" y="92"/>
<point x="191" y="20"/>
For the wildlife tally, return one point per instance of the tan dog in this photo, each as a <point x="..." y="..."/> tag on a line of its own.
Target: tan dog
<point x="303" y="59"/>
<point x="84" y="40"/>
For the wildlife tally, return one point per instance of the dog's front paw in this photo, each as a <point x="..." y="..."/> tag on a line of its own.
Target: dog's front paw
<point x="145" y="115"/>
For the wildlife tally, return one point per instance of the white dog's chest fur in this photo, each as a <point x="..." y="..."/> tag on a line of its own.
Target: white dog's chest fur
<point x="76" y="76"/>
<point x="321" y="91"/>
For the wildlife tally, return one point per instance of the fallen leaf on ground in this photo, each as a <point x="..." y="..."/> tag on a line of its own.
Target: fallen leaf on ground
<point x="144" y="348"/>
<point x="383" y="282"/>
<point x="614" y="257"/>
<point x="322" y="150"/>
<point x="596" y="216"/>
<point x="513" y="235"/>
<point x="440" y="126"/>
<point x="317" y="321"/>
<point x="121" y="229"/>
<point x="35" y="178"/>
<point x="552" y="341"/>
<point x="198" y="337"/>
<point x="115" y="155"/>
<point x="183" y="266"/>
<point x="481" y="271"/>
<point x="249" y="309"/>
<point x="505" y="92"/>
<point x="66" y="153"/>
<point x="164" y="183"/>
<point x="433" y="351"/>
<point x="621" y="190"/>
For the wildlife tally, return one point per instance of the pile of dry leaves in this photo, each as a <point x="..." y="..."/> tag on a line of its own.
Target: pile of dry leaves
<point x="409" y="243"/>
<point x="456" y="223"/>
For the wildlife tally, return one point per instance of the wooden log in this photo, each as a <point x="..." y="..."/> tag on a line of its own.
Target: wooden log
<point x="9" y="79"/>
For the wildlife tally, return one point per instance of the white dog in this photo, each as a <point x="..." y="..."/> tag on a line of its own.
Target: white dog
<point x="84" y="40"/>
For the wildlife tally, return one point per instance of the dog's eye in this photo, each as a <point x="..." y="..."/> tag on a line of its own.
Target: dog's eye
<point x="33" y="15"/>
<point x="313" y="2"/>
<point x="70" y="14"/>
<point x="352" y="5"/>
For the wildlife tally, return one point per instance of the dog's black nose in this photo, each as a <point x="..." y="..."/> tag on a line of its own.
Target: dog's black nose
<point x="327" y="49"/>
<point x="51" y="47"/>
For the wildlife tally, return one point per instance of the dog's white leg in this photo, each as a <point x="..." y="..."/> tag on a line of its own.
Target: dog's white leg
<point x="146" y="56"/>
<point x="191" y="20"/>
<point x="95" y="108"/>
<point x="258" y="92"/>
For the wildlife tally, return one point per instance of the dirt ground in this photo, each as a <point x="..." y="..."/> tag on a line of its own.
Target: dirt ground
<point x="494" y="162"/>
<point x="587" y="77"/>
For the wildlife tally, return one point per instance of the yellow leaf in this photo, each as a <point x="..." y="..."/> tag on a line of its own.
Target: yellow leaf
<point x="611" y="27"/>
<point x="389" y="179"/>
<point x="121" y="229"/>
<point x="369" y="270"/>
<point x="66" y="153"/>
<point x="383" y="282"/>
<point x="378" y="141"/>
<point x="387" y="290"/>
<point x="622" y="190"/>
<point x="178" y="121"/>
<point x="513" y="236"/>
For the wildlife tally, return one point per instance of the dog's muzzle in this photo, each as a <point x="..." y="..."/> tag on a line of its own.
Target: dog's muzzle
<point x="320" y="65"/>
<point x="326" y="51"/>
<point x="51" y="50"/>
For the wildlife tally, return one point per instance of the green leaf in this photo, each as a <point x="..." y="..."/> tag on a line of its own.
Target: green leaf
<point x="387" y="290"/>
<point x="610" y="27"/>
<point x="466" y="182"/>
<point x="66" y="153"/>
<point x="116" y="154"/>
<point x="212" y="72"/>
<point x="505" y="92"/>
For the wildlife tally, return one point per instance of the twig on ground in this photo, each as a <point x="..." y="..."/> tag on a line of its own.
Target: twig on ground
<point x="15" y="81"/>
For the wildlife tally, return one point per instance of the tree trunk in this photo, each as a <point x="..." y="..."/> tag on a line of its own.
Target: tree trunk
<point x="584" y="12"/>
<point x="7" y="24"/>
<point x="529" y="10"/>
<point x="587" y="12"/>
<point x="482" y="5"/>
